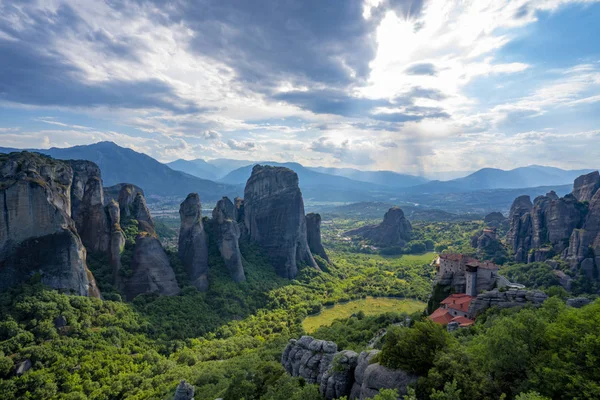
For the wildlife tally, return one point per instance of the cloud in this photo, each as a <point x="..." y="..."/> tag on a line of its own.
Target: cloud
<point x="210" y="135"/>
<point x="242" y="145"/>
<point x="421" y="69"/>
<point x="343" y="151"/>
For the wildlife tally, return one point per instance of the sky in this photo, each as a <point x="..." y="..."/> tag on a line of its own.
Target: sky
<point x="413" y="86"/>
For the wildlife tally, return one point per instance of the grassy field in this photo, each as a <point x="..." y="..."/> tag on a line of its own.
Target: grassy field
<point x="370" y="306"/>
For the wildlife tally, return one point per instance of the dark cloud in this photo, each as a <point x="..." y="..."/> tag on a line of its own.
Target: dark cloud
<point x="31" y="72"/>
<point x="422" y="69"/>
<point x="31" y="77"/>
<point x="330" y="102"/>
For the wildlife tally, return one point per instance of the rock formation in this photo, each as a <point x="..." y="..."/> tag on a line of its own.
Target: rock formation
<point x="495" y="220"/>
<point x="585" y="186"/>
<point x="313" y="235"/>
<point x="274" y="218"/>
<point x="395" y="230"/>
<point x="184" y="391"/>
<point x="341" y="373"/>
<point x="141" y="213"/>
<point x="123" y="194"/>
<point x="227" y="234"/>
<point x="37" y="233"/>
<point x="568" y="227"/>
<point x="193" y="241"/>
<point x="87" y="207"/>
<point x="506" y="299"/>
<point x="152" y="272"/>
<point x="117" y="239"/>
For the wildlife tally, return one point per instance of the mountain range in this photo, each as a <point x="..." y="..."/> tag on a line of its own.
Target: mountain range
<point x="216" y="178"/>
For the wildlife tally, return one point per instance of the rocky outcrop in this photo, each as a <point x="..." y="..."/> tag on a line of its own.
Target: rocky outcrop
<point x="505" y="299"/>
<point x="519" y="234"/>
<point x="568" y="227"/>
<point x="395" y="230"/>
<point x="193" y="241"/>
<point x="341" y="373"/>
<point x="585" y="186"/>
<point x="37" y="233"/>
<point x="87" y="206"/>
<point x="274" y="218"/>
<point x="578" y="302"/>
<point x="117" y="239"/>
<point x="184" y="391"/>
<point x="308" y="358"/>
<point x="313" y="235"/>
<point x="337" y="381"/>
<point x="227" y="234"/>
<point x="123" y="194"/>
<point x="495" y="220"/>
<point x="141" y="213"/>
<point x="152" y="272"/>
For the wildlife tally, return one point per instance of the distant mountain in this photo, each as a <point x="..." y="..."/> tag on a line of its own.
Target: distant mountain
<point x="491" y="178"/>
<point x="446" y="175"/>
<point x="119" y="164"/>
<point x="197" y="167"/>
<point x="307" y="178"/>
<point x="384" y="178"/>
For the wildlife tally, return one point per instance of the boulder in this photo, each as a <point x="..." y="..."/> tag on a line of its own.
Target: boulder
<point x="227" y="234"/>
<point x="363" y="361"/>
<point x="377" y="377"/>
<point x="23" y="367"/>
<point x="184" y="391"/>
<point x="152" y="272"/>
<point x="274" y="217"/>
<point x="308" y="358"/>
<point x="395" y="230"/>
<point x="313" y="234"/>
<point x="193" y="241"/>
<point x="37" y="233"/>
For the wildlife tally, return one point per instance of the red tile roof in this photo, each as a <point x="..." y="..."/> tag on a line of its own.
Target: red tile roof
<point x="463" y="321"/>
<point x="441" y="316"/>
<point x="459" y="301"/>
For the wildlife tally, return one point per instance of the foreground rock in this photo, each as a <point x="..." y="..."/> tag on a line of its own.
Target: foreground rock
<point x="193" y="241"/>
<point x="274" y="218"/>
<point x="227" y="234"/>
<point x="37" y="233"/>
<point x="313" y="234"/>
<point x="341" y="373"/>
<point x="395" y="230"/>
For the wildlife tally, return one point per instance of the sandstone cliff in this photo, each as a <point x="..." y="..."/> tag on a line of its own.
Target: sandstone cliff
<point x="227" y="234"/>
<point x="395" y="230"/>
<point x="37" y="233"/>
<point x="193" y="241"/>
<point x="274" y="217"/>
<point x="313" y="234"/>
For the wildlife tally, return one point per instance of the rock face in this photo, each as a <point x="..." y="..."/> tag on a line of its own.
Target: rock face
<point x="494" y="219"/>
<point x="227" y="234"/>
<point x="308" y="358"/>
<point x="585" y="186"/>
<point x="37" y="233"/>
<point x="274" y="218"/>
<point x="313" y="234"/>
<point x="193" y="241"/>
<point x="141" y="213"/>
<point x="395" y="230"/>
<point x="87" y="205"/>
<point x="341" y="373"/>
<point x="152" y="272"/>
<point x="117" y="238"/>
<point x="507" y="299"/>
<point x="184" y="391"/>
<point x="568" y="227"/>
<point x="337" y="381"/>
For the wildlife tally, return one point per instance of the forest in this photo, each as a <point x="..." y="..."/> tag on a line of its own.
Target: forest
<point x="227" y="342"/>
